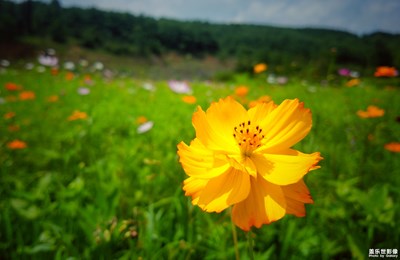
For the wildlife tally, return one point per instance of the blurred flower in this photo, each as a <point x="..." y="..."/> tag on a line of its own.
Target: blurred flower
<point x="10" y="86"/>
<point x="354" y="74"/>
<point x="2" y="101"/>
<point x="48" y="60"/>
<point x="145" y="127"/>
<point x="69" y="65"/>
<point x="345" y="72"/>
<point x="393" y="147"/>
<point x="189" y="99"/>
<point x="88" y="80"/>
<point x="241" y="91"/>
<point x="262" y="99"/>
<point x="141" y="120"/>
<point x="40" y="69"/>
<point x="148" y="86"/>
<point x="29" y="66"/>
<point x="98" y="65"/>
<point x="69" y="76"/>
<point x="180" y="87"/>
<point x="54" y="71"/>
<point x="281" y="80"/>
<point x="385" y="71"/>
<point x="243" y="159"/>
<point x="27" y="95"/>
<point x="13" y="128"/>
<point x="52" y="99"/>
<point x="372" y="111"/>
<point x="77" y="115"/>
<point x="83" y="63"/>
<point x="353" y="82"/>
<point x="4" y="63"/>
<point x="83" y="91"/>
<point x="16" y="145"/>
<point x="9" y="115"/>
<point x="261" y="67"/>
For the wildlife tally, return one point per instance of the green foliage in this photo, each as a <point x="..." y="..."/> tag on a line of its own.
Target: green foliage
<point x="126" y="34"/>
<point x="97" y="189"/>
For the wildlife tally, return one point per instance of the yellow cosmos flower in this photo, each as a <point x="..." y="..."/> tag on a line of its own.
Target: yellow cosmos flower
<point x="372" y="111"/>
<point x="77" y="115"/>
<point x="258" y="68"/>
<point x="243" y="159"/>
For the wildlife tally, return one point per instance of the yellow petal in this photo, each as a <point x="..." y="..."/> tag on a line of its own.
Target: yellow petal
<point x="260" y="111"/>
<point x="296" y="195"/>
<point x="286" y="168"/>
<point x="242" y="163"/>
<point x="193" y="187"/>
<point x="286" y="125"/>
<point x="200" y="162"/>
<point x="265" y="204"/>
<point x="210" y="135"/>
<point x="225" y="190"/>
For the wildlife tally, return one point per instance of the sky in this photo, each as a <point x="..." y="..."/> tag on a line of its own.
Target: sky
<point x="355" y="16"/>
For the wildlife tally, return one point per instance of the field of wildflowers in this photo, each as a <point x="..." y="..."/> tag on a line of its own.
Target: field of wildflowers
<point x="89" y="166"/>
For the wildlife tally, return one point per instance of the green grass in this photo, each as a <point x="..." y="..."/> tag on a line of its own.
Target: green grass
<point x="96" y="189"/>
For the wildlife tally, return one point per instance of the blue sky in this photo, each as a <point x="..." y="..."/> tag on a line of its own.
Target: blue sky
<point x="356" y="16"/>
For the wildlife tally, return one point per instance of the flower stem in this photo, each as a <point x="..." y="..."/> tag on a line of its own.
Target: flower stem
<point x="235" y="241"/>
<point x="250" y="244"/>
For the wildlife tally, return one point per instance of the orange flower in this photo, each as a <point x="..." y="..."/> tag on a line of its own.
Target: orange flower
<point x="258" y="68"/>
<point x="27" y="95"/>
<point x="393" y="147"/>
<point x="54" y="71"/>
<point x="52" y="99"/>
<point x="13" y="128"/>
<point x="69" y="76"/>
<point x="243" y="158"/>
<point x="372" y="111"/>
<point x="77" y="115"/>
<point x="241" y="91"/>
<point x="141" y="120"/>
<point x="385" y="71"/>
<point x="352" y="83"/>
<point x="9" y="115"/>
<point x="10" y="86"/>
<point x="262" y="99"/>
<point x="16" y="145"/>
<point x="189" y="99"/>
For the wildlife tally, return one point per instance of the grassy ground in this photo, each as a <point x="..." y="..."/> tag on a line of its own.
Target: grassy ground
<point x="95" y="188"/>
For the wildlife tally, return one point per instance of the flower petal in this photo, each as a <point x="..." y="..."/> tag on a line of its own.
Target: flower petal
<point x="296" y="195"/>
<point x="193" y="187"/>
<point x="286" y="125"/>
<point x="211" y="136"/>
<point x="242" y="163"/>
<point x="197" y="161"/>
<point x="285" y="168"/>
<point x="260" y="111"/>
<point x="225" y="190"/>
<point x="265" y="204"/>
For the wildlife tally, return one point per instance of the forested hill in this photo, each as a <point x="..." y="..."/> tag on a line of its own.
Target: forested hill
<point x="127" y="34"/>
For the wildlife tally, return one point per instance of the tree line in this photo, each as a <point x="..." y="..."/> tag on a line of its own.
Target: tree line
<point x="127" y="34"/>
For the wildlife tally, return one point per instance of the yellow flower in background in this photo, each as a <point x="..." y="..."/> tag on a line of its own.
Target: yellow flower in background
<point x="52" y="99"/>
<point x="189" y="99"/>
<point x="372" y="111"/>
<point x="241" y="91"/>
<point x="9" y="115"/>
<point x="141" y="119"/>
<point x="27" y="95"/>
<point x="353" y="82"/>
<point x="16" y="145"/>
<point x="242" y="158"/>
<point x="261" y="67"/>
<point x="77" y="115"/>
<point x="262" y="99"/>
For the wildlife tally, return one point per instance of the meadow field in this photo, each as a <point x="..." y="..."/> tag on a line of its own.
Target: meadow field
<point x="89" y="167"/>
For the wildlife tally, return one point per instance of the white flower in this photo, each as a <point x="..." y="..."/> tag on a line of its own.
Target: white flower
<point x="145" y="127"/>
<point x="180" y="87"/>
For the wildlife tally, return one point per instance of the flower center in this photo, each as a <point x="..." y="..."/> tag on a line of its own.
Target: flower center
<point x="248" y="137"/>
